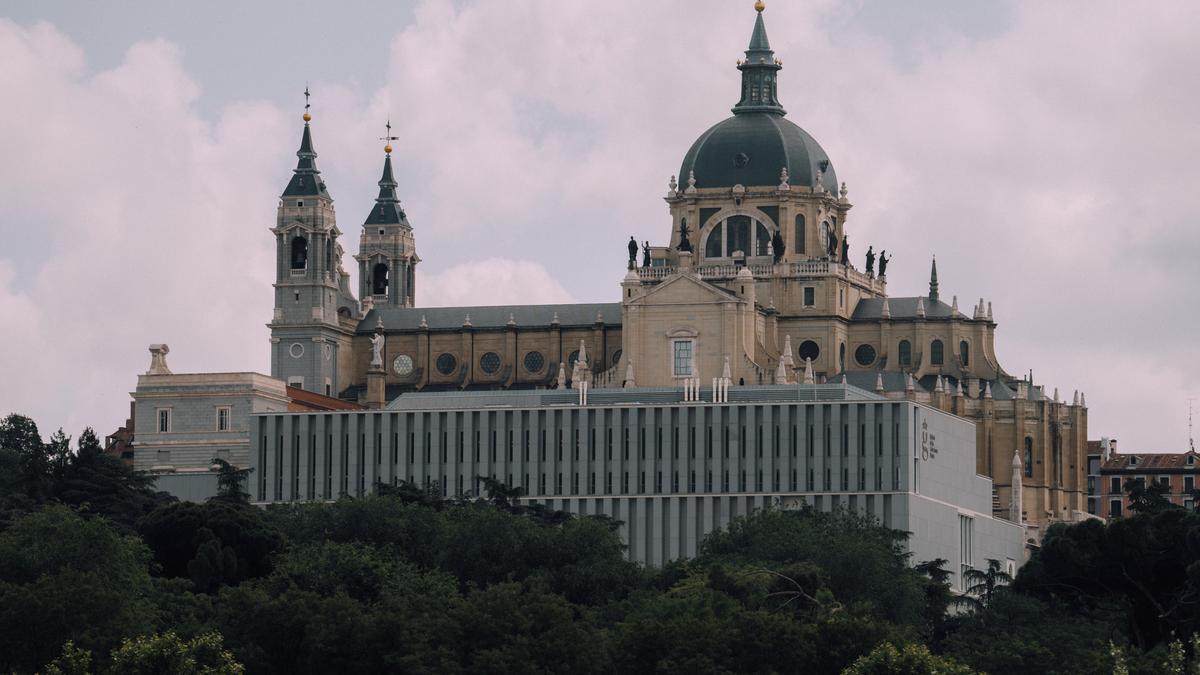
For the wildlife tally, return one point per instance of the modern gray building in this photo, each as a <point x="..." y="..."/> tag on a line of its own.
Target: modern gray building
<point x="671" y="470"/>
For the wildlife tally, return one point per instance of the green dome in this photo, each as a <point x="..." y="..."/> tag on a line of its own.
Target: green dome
<point x="750" y="149"/>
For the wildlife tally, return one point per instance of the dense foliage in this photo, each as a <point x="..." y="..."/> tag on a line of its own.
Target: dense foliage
<point x="101" y="574"/>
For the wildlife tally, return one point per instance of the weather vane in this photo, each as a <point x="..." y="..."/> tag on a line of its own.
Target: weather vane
<point x="388" y="138"/>
<point x="307" y="116"/>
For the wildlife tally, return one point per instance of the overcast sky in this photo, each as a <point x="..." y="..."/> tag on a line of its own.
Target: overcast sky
<point x="1045" y="152"/>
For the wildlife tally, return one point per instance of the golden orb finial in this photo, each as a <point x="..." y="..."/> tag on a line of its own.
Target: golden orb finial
<point x="307" y="117"/>
<point x="388" y="148"/>
<point x="759" y="6"/>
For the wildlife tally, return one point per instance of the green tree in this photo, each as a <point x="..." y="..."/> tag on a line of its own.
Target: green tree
<point x="168" y="654"/>
<point x="231" y="483"/>
<point x="25" y="477"/>
<point x="95" y="482"/>
<point x="1148" y="498"/>
<point x="982" y="585"/>
<point x="63" y="577"/>
<point x="214" y="544"/>
<point x="886" y="659"/>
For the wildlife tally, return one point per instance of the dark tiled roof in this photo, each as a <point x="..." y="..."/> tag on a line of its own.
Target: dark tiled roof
<point x="443" y="318"/>
<point x="1148" y="461"/>
<point x="903" y="308"/>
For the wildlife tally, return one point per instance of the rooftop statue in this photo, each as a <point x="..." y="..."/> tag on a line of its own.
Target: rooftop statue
<point x="777" y="245"/>
<point x="883" y="261"/>
<point x="684" y="244"/>
<point x="633" y="249"/>
<point x="870" y="261"/>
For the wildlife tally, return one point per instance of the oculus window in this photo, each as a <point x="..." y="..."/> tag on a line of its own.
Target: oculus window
<point x="489" y="363"/>
<point x="403" y="364"/>
<point x="808" y="350"/>
<point x="534" y="362"/>
<point x="446" y="364"/>
<point x="864" y="355"/>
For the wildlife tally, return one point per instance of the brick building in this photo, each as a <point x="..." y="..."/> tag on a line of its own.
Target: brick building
<point x="1179" y="471"/>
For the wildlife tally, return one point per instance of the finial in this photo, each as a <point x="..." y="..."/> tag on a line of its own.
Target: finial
<point x="845" y="193"/>
<point x="158" y="360"/>
<point x="424" y="323"/>
<point x="921" y="307"/>
<point x="307" y="116"/>
<point x="784" y="179"/>
<point x="691" y="183"/>
<point x="879" y="382"/>
<point x="672" y="186"/>
<point x="388" y="137"/>
<point x="987" y="390"/>
<point x="467" y="320"/>
<point x="759" y="6"/>
<point x="512" y="320"/>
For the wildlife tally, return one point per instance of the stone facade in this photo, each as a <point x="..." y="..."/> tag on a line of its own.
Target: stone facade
<point x="753" y="279"/>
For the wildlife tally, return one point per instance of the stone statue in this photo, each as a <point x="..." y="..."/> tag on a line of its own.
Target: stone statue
<point x="646" y="254"/>
<point x="870" y="261"/>
<point x="377" y="350"/>
<point x="777" y="245"/>
<point x="633" y="249"/>
<point x="845" y="249"/>
<point x="684" y="244"/>
<point x="883" y="261"/>
<point x="833" y="245"/>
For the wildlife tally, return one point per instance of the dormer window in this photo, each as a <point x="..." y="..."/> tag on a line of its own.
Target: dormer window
<point x="1191" y="459"/>
<point x="1133" y="460"/>
<point x="299" y="202"/>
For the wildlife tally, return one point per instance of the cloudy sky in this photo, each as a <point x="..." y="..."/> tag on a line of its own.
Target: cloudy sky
<point x="1045" y="152"/>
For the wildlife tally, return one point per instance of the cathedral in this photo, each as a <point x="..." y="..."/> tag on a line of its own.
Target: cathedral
<point x="751" y="284"/>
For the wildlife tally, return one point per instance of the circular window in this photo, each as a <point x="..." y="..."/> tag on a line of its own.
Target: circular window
<point x="572" y="359"/>
<point x="446" y="364"/>
<point x="403" y="364"/>
<point x="808" y="350"/>
<point x="296" y="350"/>
<point x="741" y="159"/>
<point x="534" y="362"/>
<point x="490" y="362"/>
<point x="616" y="357"/>
<point x="864" y="355"/>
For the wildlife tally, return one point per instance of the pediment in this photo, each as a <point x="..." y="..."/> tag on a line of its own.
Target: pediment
<point x="685" y="289"/>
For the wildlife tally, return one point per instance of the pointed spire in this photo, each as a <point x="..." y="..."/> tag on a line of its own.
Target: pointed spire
<point x="958" y="390"/>
<point x="424" y="323"/>
<point x="781" y="373"/>
<point x="879" y="382"/>
<point x="885" y="311"/>
<point x="759" y="73"/>
<point x="1016" y="498"/>
<point x="989" y="310"/>
<point x="933" y="283"/>
<point x="629" y="375"/>
<point x="909" y="385"/>
<point x="306" y="178"/>
<point x="1056" y="395"/>
<point x="562" y="375"/>
<point x="1075" y="400"/>
<point x="808" y="373"/>
<point x="921" y="307"/>
<point x="941" y="385"/>
<point x="1082" y="400"/>
<point x="387" y="209"/>
<point x="787" y="351"/>
<point x="582" y="354"/>
<point x="987" y="390"/>
<point x="725" y="372"/>
<point x="954" y="306"/>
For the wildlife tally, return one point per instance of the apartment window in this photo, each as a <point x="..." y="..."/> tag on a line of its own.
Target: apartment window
<point x="1114" y="508"/>
<point x="223" y="418"/>
<point x="682" y="358"/>
<point x="164" y="420"/>
<point x="1114" y="485"/>
<point x="1189" y="484"/>
<point x="810" y="296"/>
<point x="1165" y="481"/>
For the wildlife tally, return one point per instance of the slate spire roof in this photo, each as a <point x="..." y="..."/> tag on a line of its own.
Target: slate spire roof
<point x="387" y="209"/>
<point x="759" y="71"/>
<point x="306" y="179"/>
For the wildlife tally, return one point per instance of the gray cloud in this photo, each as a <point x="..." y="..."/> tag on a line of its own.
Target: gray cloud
<point x="1045" y="153"/>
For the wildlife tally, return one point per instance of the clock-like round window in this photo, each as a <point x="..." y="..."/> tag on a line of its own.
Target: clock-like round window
<point x="616" y="357"/>
<point x="296" y="350"/>
<point x="864" y="355"/>
<point x="403" y="364"/>
<point x="446" y="364"/>
<point x="534" y="362"/>
<point x="490" y="362"/>
<point x="808" y="350"/>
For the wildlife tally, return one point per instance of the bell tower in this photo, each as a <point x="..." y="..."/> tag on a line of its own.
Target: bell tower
<point x="315" y="313"/>
<point x="387" y="254"/>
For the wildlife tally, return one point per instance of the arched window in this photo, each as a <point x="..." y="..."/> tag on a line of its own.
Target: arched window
<point x="799" y="241"/>
<point x="936" y="353"/>
<point x="1028" y="457"/>
<point x="379" y="279"/>
<point x="762" y="239"/>
<point x="737" y="235"/>
<point x="842" y="356"/>
<point x="712" y="245"/>
<point x="299" y="252"/>
<point x="905" y="353"/>
<point x="964" y="353"/>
